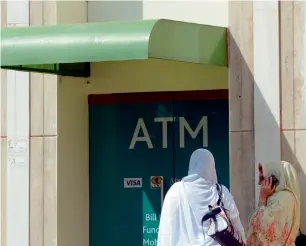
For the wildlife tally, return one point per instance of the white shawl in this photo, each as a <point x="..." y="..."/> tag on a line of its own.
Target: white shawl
<point x="187" y="201"/>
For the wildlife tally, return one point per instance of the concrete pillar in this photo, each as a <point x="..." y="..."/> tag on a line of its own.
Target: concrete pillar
<point x="292" y="67"/>
<point x="299" y="52"/>
<point x="241" y="87"/>
<point x="17" y="133"/>
<point x="266" y="86"/>
<point x="52" y="217"/>
<point x="28" y="118"/>
<point x="3" y="141"/>
<point x="44" y="136"/>
<point x="73" y="168"/>
<point x="267" y="74"/>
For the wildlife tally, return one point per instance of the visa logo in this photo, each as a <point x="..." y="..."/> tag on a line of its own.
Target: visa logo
<point x="132" y="182"/>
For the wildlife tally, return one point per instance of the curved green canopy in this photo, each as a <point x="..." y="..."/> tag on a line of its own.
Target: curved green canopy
<point x="113" y="41"/>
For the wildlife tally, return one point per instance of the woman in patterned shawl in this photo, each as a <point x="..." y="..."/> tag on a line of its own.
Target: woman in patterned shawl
<point x="276" y="220"/>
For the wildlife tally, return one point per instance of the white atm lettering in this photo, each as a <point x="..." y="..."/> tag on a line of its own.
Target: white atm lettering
<point x="164" y="121"/>
<point x="202" y="125"/>
<point x="146" y="138"/>
<point x="149" y="242"/>
<point x="184" y="127"/>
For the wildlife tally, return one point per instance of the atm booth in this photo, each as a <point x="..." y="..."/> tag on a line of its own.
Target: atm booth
<point x="139" y="143"/>
<point x="147" y="142"/>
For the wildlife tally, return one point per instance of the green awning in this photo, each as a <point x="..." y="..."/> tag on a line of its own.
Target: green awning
<point x="45" y="46"/>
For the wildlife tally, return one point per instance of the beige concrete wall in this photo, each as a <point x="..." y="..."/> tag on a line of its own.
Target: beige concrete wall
<point x="292" y="71"/>
<point x="58" y="208"/>
<point x="72" y="146"/>
<point x="154" y="75"/>
<point x="14" y="120"/>
<point x="266" y="87"/>
<point x="73" y="163"/>
<point x="203" y="12"/>
<point x="42" y="127"/>
<point x="266" y="75"/>
<point x="43" y="142"/>
<point x="241" y="100"/>
<point x="3" y="139"/>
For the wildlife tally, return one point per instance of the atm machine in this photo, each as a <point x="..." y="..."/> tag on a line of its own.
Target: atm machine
<point x="137" y="151"/>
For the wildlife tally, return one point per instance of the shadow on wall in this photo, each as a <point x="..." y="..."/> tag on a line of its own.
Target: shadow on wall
<point x="243" y="95"/>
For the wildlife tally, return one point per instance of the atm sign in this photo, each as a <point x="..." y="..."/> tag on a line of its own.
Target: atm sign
<point x="156" y="181"/>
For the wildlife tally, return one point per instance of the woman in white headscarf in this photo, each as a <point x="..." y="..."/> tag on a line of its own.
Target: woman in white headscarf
<point x="187" y="202"/>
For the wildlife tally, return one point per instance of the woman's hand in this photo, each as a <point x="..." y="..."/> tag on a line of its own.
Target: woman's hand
<point x="266" y="190"/>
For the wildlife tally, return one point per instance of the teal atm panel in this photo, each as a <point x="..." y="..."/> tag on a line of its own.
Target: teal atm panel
<point x="126" y="153"/>
<point x="132" y="146"/>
